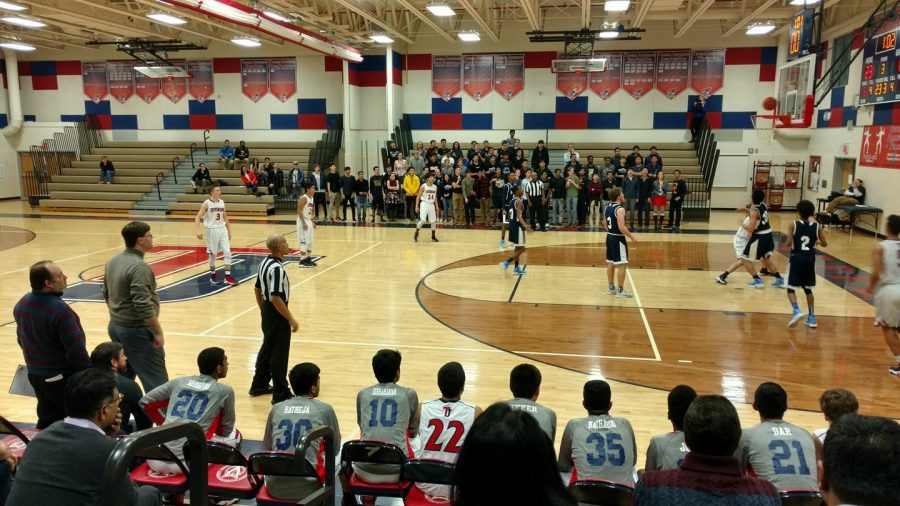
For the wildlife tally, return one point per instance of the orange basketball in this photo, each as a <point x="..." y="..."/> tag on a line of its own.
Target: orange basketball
<point x="769" y="103"/>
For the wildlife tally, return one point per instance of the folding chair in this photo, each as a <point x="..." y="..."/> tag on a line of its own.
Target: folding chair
<point x="415" y="471"/>
<point x="296" y="465"/>
<point x="17" y="439"/>
<point x="371" y="452"/>
<point x="801" y="498"/>
<point x="602" y="493"/>
<point x="228" y="475"/>
<point x="173" y="484"/>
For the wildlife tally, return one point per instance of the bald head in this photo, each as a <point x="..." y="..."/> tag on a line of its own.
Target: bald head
<point x="273" y="242"/>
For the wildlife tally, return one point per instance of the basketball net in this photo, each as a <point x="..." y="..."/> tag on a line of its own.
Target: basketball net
<point x="764" y="125"/>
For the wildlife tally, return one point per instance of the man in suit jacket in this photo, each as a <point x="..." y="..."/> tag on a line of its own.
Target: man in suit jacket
<point x="64" y="463"/>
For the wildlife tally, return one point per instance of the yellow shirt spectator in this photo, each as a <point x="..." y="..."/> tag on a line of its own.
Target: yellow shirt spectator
<point x="411" y="184"/>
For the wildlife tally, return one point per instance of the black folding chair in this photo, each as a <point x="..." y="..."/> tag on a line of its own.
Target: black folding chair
<point x="15" y="438"/>
<point x="372" y="452"/>
<point x="602" y="493"/>
<point x="801" y="498"/>
<point x="430" y="471"/>
<point x="296" y="465"/>
<point x="176" y="484"/>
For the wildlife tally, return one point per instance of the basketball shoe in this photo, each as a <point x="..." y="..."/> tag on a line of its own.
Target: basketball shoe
<point x="811" y="322"/>
<point x="756" y="283"/>
<point x="798" y="315"/>
<point x="230" y="280"/>
<point x="622" y="294"/>
<point x="778" y="283"/>
<point x="213" y="279"/>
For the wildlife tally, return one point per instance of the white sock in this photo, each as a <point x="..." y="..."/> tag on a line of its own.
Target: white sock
<point x="898" y="358"/>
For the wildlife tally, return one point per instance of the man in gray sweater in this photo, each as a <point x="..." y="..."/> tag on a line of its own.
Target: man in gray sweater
<point x="630" y="192"/>
<point x="129" y="287"/>
<point x="65" y="463"/>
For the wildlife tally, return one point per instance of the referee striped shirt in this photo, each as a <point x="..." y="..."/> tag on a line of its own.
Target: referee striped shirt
<point x="272" y="280"/>
<point x="534" y="188"/>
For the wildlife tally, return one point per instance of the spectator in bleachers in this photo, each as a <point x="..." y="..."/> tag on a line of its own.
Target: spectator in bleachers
<point x="201" y="177"/>
<point x="654" y="152"/>
<point x="111" y="356"/>
<point x="544" y="214"/>
<point x="456" y="151"/>
<point x="632" y="159"/>
<point x="507" y="460"/>
<point x="443" y="149"/>
<point x="226" y="155"/>
<point x="622" y="170"/>
<point x="541" y="169"/>
<point x="411" y="184"/>
<point x="835" y="403"/>
<point x="859" y="464"/>
<point x="710" y="474"/>
<point x="570" y="155"/>
<point x="416" y="162"/>
<point x="519" y="160"/>
<point x="474" y="149"/>
<point x="393" y="201"/>
<point x="278" y="180"/>
<point x="540" y="154"/>
<point x="400" y="163"/>
<point x="348" y="183"/>
<point x="498" y="182"/>
<point x="525" y="385"/>
<point x="295" y="180"/>
<point x="591" y="167"/>
<point x="333" y="180"/>
<point x="320" y="197"/>
<point x="201" y="399"/>
<point x="458" y="202"/>
<point x="65" y="463"/>
<point x="470" y="199"/>
<point x="361" y="194"/>
<point x="639" y="164"/>
<point x="644" y="200"/>
<point x="653" y="166"/>
<point x="505" y="150"/>
<point x="376" y="191"/>
<point x="573" y="185"/>
<point x="386" y="412"/>
<point x="107" y="170"/>
<point x="248" y="179"/>
<point x="241" y="153"/>
<point x="679" y="191"/>
<point x="777" y="451"/>
<point x="432" y="149"/>
<point x="608" y="167"/>
<point x="558" y="189"/>
<point x="254" y="165"/>
<point x="599" y="446"/>
<point x="483" y="193"/>
<point x="52" y="340"/>
<point x="583" y="201"/>
<point x="262" y="178"/>
<point x="608" y="184"/>
<point x="660" y="191"/>
<point x="697" y="116"/>
<point x="420" y="148"/>
<point x="667" y="451"/>
<point x="445" y="193"/>
<point x="290" y="420"/>
<point x="8" y="463"/>
<point x="595" y="201"/>
<point x="512" y="140"/>
<point x="393" y="152"/>
<point x="616" y="158"/>
<point x="630" y="185"/>
<point x="432" y="165"/>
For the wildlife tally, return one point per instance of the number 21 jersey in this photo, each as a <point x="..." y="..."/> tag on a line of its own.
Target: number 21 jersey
<point x="781" y="453"/>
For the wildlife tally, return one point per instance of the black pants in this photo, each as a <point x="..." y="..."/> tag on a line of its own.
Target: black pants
<point x="411" y="211"/>
<point x="272" y="358"/>
<point x="538" y="213"/>
<point x="377" y="204"/>
<point x="643" y="212"/>
<point x="51" y="405"/>
<point x="471" y="205"/>
<point x="347" y="201"/>
<point x="582" y="209"/>
<point x="675" y="212"/>
<point x="695" y="129"/>
<point x="319" y="199"/>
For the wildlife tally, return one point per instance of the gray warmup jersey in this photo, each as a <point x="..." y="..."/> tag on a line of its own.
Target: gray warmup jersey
<point x="545" y="416"/>
<point x="781" y="453"/>
<point x="666" y="451"/>
<point x="288" y="421"/>
<point x="199" y="399"/>
<point x="387" y="412"/>
<point x="599" y="447"/>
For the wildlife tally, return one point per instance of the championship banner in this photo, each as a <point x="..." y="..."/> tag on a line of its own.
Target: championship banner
<point x="605" y="84"/>
<point x="93" y="76"/>
<point x="254" y="78"/>
<point x="509" y="74"/>
<point x="707" y="71"/>
<point x="672" y="71"/>
<point x="121" y="80"/>
<point x="478" y="75"/>
<point x="880" y="147"/>
<point x="446" y="76"/>
<point x="146" y="88"/>
<point x="174" y="88"/>
<point x="283" y="77"/>
<point x="200" y="84"/>
<point x="571" y="84"/>
<point x="638" y="73"/>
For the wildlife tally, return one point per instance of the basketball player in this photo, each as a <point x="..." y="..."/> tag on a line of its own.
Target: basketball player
<point x="305" y="225"/>
<point x="425" y="200"/>
<point x="218" y="233"/>
<point x="599" y="446"/>
<point x="517" y="228"/>
<point x="885" y="282"/>
<point x="508" y="196"/>
<point x="754" y="228"/>
<point x="802" y="236"/>
<point x="444" y="424"/>
<point x="616" y="245"/>
<point x="667" y="451"/>
<point x="525" y="385"/>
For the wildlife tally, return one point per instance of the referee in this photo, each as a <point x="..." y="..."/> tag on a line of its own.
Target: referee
<point x="534" y="189"/>
<point x="272" y="291"/>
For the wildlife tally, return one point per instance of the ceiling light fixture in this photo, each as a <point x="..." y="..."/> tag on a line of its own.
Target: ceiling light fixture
<point x="469" y="36"/>
<point x="274" y="15"/>
<point x="440" y="9"/>
<point x="168" y="19"/>
<point x="382" y="39"/>
<point x="16" y="46"/>
<point x="760" y="28"/>
<point x="27" y="23"/>
<point x="804" y="2"/>
<point x="246" y="42"/>
<point x="12" y="7"/>
<point x="616" y="5"/>
<point x="609" y="30"/>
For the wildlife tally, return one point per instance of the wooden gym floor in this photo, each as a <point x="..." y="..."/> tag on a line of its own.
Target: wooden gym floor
<point x="375" y="289"/>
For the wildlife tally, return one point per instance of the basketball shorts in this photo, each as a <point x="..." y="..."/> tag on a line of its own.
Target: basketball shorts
<point x="741" y="246"/>
<point x="516" y="235"/>
<point x="802" y="271"/>
<point x="427" y="213"/>
<point x="505" y="214"/>
<point x="765" y="245"/>
<point x="887" y="306"/>
<point x="305" y="237"/>
<point x="616" y="249"/>
<point x="217" y="241"/>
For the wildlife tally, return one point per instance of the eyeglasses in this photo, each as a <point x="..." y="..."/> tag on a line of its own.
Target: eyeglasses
<point x="116" y="402"/>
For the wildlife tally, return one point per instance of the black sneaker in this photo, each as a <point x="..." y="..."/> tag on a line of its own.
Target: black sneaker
<point x="256" y="392"/>
<point x="416" y="236"/>
<point x="895" y="370"/>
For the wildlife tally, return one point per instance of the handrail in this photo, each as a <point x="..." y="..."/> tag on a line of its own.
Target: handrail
<point x="159" y="179"/>
<point x="327" y="436"/>
<point x="175" y="162"/>
<point x="125" y="450"/>
<point x="192" y="146"/>
<point x="205" y="138"/>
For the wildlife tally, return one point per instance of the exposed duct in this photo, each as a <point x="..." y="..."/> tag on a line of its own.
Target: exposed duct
<point x="239" y="14"/>
<point x="13" y="95"/>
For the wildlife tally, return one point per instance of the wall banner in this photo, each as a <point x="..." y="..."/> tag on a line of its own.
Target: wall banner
<point x="509" y="74"/>
<point x="121" y="80"/>
<point x="605" y="84"/>
<point x="638" y="73"/>
<point x="93" y="75"/>
<point x="254" y="78"/>
<point x="200" y="84"/>
<point x="283" y="77"/>
<point x="478" y="75"/>
<point x="446" y="76"/>
<point x="672" y="72"/>
<point x="707" y="71"/>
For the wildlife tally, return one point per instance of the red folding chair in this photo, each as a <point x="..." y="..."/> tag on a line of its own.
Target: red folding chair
<point x="229" y="475"/>
<point x="172" y="484"/>
<point x="17" y="439"/>
<point x="295" y="465"/>
<point x="372" y="452"/>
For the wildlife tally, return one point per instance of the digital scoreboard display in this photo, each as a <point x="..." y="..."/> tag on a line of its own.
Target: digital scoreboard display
<point x="880" y="81"/>
<point x="800" y="34"/>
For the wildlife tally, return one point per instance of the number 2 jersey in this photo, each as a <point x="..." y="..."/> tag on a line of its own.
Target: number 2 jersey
<point x="386" y="412"/>
<point x="780" y="453"/>
<point x="599" y="447"/>
<point x="442" y="430"/>
<point x="199" y="399"/>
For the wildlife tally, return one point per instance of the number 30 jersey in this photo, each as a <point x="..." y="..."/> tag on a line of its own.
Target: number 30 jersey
<point x="387" y="412"/>
<point x="780" y="453"/>
<point x="599" y="447"/>
<point x="442" y="430"/>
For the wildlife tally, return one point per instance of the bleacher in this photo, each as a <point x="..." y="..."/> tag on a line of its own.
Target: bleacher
<point x="675" y="155"/>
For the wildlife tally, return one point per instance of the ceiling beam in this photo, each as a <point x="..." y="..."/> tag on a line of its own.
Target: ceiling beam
<point x="775" y="13"/>
<point x="32" y="35"/>
<point x="89" y="21"/>
<point x="698" y="13"/>
<point x="585" y="14"/>
<point x="425" y="19"/>
<point x="349" y="5"/>
<point x="208" y="22"/>
<point x="641" y="13"/>
<point x="753" y="15"/>
<point x="531" y="12"/>
<point x="467" y="4"/>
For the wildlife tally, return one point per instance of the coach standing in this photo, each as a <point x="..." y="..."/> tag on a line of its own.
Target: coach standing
<point x="129" y="287"/>
<point x="51" y="338"/>
<point x="272" y="291"/>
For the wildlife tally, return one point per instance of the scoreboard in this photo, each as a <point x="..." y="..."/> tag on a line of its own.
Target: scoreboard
<point x="880" y="81"/>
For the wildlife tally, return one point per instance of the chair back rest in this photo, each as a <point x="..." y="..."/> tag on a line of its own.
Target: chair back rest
<point x="602" y="493"/>
<point x="371" y="452"/>
<point x="164" y="453"/>
<point x="801" y="498"/>
<point x="220" y="453"/>
<point x="281" y="464"/>
<point x="427" y="471"/>
<point x="7" y="427"/>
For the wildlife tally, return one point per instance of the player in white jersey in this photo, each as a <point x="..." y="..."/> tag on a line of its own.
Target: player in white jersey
<point x="425" y="202"/>
<point x="885" y="282"/>
<point x="742" y="243"/>
<point x="218" y="233"/>
<point x="443" y="426"/>
<point x="306" y="226"/>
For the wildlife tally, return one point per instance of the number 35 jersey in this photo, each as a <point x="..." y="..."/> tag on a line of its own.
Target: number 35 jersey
<point x="780" y="453"/>
<point x="387" y="412"/>
<point x="599" y="447"/>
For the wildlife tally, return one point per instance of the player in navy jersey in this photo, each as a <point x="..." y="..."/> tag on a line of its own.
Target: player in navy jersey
<point x="802" y="237"/>
<point x="754" y="228"/>
<point x="616" y="245"/>
<point x="517" y="228"/>
<point x="508" y="191"/>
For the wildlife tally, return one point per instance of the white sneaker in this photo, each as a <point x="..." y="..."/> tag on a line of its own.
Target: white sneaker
<point x="622" y="294"/>
<point x="611" y="290"/>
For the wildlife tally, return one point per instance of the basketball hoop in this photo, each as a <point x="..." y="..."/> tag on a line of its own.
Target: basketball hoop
<point x="764" y="124"/>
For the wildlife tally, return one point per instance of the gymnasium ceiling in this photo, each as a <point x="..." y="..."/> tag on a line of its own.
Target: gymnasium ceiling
<point x="72" y="23"/>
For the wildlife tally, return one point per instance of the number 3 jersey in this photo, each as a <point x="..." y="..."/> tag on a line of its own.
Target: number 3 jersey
<point x="599" y="447"/>
<point x="442" y="430"/>
<point x="780" y="453"/>
<point x="199" y="399"/>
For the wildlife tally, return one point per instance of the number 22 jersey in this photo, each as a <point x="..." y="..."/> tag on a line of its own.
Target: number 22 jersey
<point x="442" y="430"/>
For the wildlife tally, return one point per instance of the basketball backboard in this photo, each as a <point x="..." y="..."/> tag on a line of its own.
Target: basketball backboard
<point x="795" y="82"/>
